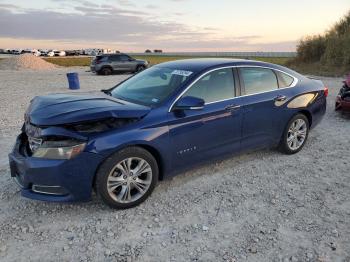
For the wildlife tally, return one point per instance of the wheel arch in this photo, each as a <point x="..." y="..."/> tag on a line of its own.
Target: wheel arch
<point x="308" y="115"/>
<point x="152" y="150"/>
<point x="303" y="112"/>
<point x="106" y="66"/>
<point x="140" y="65"/>
<point x="156" y="154"/>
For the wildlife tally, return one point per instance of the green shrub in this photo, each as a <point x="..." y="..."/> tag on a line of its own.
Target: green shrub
<point x="346" y="50"/>
<point x="311" y="49"/>
<point x="332" y="48"/>
<point x="333" y="54"/>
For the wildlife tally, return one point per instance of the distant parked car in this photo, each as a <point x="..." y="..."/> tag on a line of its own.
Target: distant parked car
<point x="342" y="101"/>
<point x="93" y="52"/>
<point x="16" y="52"/>
<point x="60" y="53"/>
<point x="72" y="52"/>
<point x="43" y="52"/>
<point x="36" y="52"/>
<point x="56" y="53"/>
<point x="109" y="63"/>
<point x="26" y="51"/>
<point x="148" y="51"/>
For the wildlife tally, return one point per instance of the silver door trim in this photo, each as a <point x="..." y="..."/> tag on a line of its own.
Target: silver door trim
<point x="294" y="83"/>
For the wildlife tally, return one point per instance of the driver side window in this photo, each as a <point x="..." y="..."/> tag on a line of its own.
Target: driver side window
<point x="124" y="58"/>
<point x="113" y="58"/>
<point x="215" y="86"/>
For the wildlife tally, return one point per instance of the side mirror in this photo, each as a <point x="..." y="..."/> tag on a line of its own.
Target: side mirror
<point x="131" y="59"/>
<point x="189" y="103"/>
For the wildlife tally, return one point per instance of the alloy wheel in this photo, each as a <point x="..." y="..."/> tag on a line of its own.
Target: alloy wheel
<point x="140" y="69"/>
<point x="297" y="133"/>
<point x="129" y="180"/>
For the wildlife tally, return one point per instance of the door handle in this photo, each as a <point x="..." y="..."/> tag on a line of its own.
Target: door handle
<point x="232" y="107"/>
<point x="280" y="98"/>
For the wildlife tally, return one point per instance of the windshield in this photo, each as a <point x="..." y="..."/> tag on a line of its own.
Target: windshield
<point x="151" y="86"/>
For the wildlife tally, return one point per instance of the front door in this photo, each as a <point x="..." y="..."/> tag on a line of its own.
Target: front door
<point x="198" y="135"/>
<point x="126" y="63"/>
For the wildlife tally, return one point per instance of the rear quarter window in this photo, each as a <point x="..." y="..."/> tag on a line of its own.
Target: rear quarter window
<point x="284" y="80"/>
<point x="101" y="58"/>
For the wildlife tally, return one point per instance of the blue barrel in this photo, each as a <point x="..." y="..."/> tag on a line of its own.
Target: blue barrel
<point x="73" y="80"/>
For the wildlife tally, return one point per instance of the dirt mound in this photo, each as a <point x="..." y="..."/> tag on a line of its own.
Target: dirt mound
<point x="25" y="61"/>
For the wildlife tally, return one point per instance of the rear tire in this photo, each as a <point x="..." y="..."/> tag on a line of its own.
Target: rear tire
<point x="106" y="71"/>
<point x="295" y="135"/>
<point x="127" y="178"/>
<point x="140" y="68"/>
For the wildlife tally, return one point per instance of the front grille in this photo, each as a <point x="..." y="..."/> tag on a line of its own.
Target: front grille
<point x="23" y="146"/>
<point x="34" y="143"/>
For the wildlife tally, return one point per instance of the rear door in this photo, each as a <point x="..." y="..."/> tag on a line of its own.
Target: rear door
<point x="262" y="99"/>
<point x="115" y="62"/>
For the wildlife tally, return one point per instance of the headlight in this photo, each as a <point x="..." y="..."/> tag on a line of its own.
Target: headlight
<point x="59" y="149"/>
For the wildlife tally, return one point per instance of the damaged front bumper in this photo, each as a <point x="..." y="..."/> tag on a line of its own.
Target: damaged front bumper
<point x="341" y="103"/>
<point x="53" y="180"/>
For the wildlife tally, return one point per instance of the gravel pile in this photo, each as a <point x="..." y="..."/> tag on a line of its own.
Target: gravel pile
<point x="25" y="61"/>
<point x="260" y="206"/>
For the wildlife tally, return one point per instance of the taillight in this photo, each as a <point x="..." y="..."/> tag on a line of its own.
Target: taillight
<point x="325" y="91"/>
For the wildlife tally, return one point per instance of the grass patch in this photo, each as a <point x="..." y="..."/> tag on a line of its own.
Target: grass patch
<point x="318" y="69"/>
<point x="85" y="61"/>
<point x="69" y="61"/>
<point x="161" y="59"/>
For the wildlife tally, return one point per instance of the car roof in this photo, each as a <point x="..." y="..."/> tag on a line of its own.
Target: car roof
<point x="203" y="64"/>
<point x="116" y="54"/>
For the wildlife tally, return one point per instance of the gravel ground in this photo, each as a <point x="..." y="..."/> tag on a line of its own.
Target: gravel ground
<point x="260" y="206"/>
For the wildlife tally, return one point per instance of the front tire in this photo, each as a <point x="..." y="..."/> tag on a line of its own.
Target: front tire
<point x="295" y="134"/>
<point x="140" y="68"/>
<point x="127" y="178"/>
<point x="106" y="71"/>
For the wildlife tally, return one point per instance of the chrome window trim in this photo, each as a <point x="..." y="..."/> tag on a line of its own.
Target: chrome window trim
<point x="294" y="83"/>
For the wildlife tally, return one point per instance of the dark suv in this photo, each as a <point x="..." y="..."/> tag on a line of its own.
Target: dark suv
<point x="109" y="63"/>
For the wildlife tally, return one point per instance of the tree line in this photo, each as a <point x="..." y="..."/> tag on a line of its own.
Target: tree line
<point x="331" y="48"/>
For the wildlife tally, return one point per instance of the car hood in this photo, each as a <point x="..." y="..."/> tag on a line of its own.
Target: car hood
<point x="58" y="109"/>
<point x="141" y="61"/>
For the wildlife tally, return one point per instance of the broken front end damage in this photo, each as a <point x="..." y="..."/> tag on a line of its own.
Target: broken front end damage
<point x="342" y="101"/>
<point x="41" y="140"/>
<point x="49" y="161"/>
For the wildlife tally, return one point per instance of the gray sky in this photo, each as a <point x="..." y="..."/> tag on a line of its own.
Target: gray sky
<point x="172" y="25"/>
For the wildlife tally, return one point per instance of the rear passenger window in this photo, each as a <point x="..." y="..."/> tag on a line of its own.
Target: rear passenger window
<point x="284" y="80"/>
<point x="114" y="58"/>
<point x="257" y="80"/>
<point x="215" y="86"/>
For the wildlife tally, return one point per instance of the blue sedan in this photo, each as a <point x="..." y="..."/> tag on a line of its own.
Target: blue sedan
<point x="158" y="123"/>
